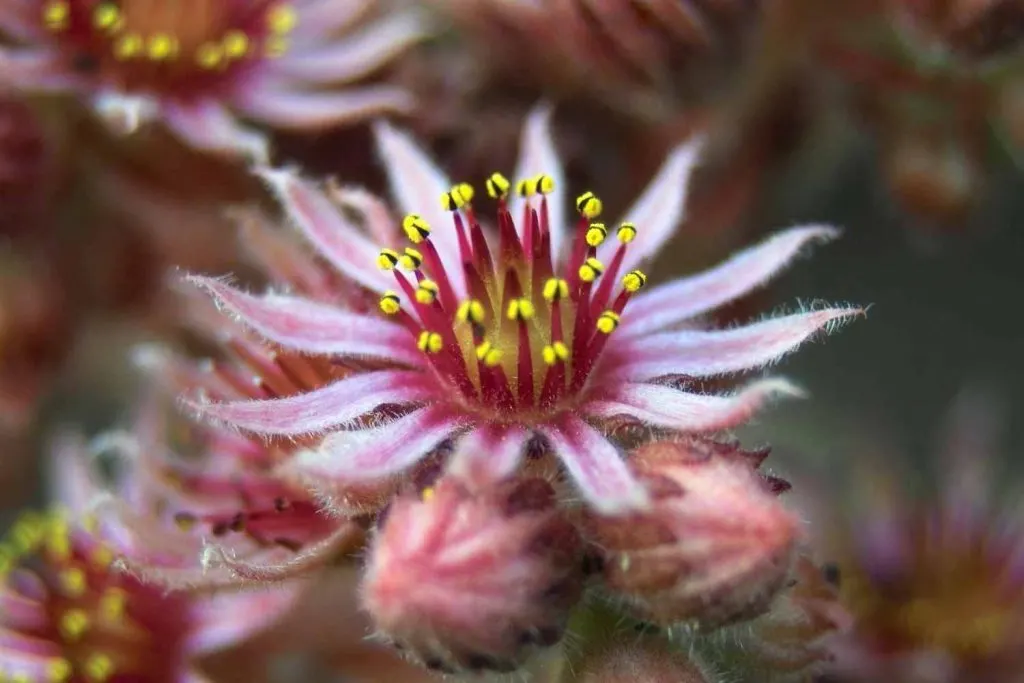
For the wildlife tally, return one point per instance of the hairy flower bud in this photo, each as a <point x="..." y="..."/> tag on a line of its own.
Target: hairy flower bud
<point x="715" y="545"/>
<point x="474" y="581"/>
<point x="641" y="661"/>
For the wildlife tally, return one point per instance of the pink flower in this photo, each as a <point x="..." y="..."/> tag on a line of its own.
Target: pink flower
<point x="69" y="615"/>
<point x="529" y="336"/>
<point x="202" y="66"/>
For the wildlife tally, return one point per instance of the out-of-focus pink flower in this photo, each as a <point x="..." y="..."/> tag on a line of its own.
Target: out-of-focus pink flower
<point x="643" y="660"/>
<point x="714" y="547"/>
<point x="532" y="333"/>
<point x="935" y="585"/>
<point x="205" y="66"/>
<point x="69" y="615"/>
<point x="474" y="581"/>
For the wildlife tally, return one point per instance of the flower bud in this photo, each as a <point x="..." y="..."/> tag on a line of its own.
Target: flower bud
<point x="715" y="545"/>
<point x="474" y="581"/>
<point x="639" y="661"/>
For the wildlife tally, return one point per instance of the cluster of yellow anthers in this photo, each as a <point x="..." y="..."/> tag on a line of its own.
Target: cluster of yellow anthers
<point x="71" y="576"/>
<point x="126" y="26"/>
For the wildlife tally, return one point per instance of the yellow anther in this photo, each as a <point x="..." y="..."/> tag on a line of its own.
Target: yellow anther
<point x="390" y="304"/>
<point x="607" y="322"/>
<point x="471" y="311"/>
<point x="128" y="46"/>
<point x="591" y="269"/>
<point x="185" y="521"/>
<point x="387" y="259"/>
<point x="89" y="522"/>
<point x="554" y="353"/>
<point x="101" y="557"/>
<point x="526" y="187"/>
<point x="275" y="46"/>
<point x="427" y="292"/>
<point x="58" y="670"/>
<point x="106" y="16"/>
<point x="28" y="532"/>
<point x="465" y="192"/>
<point x="416" y="229"/>
<point x="112" y="604"/>
<point x="634" y="280"/>
<point x="589" y="205"/>
<point x="282" y="18"/>
<point x="73" y="624"/>
<point x="98" y="668"/>
<point x="545" y="184"/>
<point x="427" y="494"/>
<point x="411" y="259"/>
<point x="627" y="233"/>
<point x="161" y="46"/>
<point x="497" y="186"/>
<point x="487" y="354"/>
<point x="520" y="309"/>
<point x="597" y="233"/>
<point x="55" y="15"/>
<point x="555" y="288"/>
<point x="73" y="582"/>
<point x="209" y="55"/>
<point x="236" y="44"/>
<point x="430" y="342"/>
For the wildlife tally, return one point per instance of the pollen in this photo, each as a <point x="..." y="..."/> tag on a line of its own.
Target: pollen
<point x="411" y="259"/>
<point x="209" y="56"/>
<point x="58" y="670"/>
<point x="627" y="233"/>
<point x="415" y="228"/>
<point x="497" y="186"/>
<point x="236" y="44"/>
<point x="555" y="353"/>
<point x="98" y="668"/>
<point x="545" y="184"/>
<point x="56" y="15"/>
<point x="112" y="604"/>
<point x="457" y="197"/>
<point x="597" y="233"/>
<point x="520" y="309"/>
<point x="73" y="624"/>
<point x="387" y="259"/>
<point x="427" y="292"/>
<point x="471" y="311"/>
<point x="106" y="17"/>
<point x="430" y="342"/>
<point x="427" y="494"/>
<point x="73" y="582"/>
<point x="282" y="19"/>
<point x="589" y="206"/>
<point x="161" y="47"/>
<point x="487" y="354"/>
<point x="526" y="187"/>
<point x="607" y="322"/>
<point x="390" y="304"/>
<point x="591" y="270"/>
<point x="555" y="289"/>
<point x="128" y="46"/>
<point x="634" y="280"/>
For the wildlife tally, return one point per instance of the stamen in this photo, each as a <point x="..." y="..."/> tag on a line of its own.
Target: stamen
<point x="545" y="184"/>
<point x="430" y="342"/>
<point x="596" y="234"/>
<point x="236" y="44"/>
<point x="73" y="582"/>
<point x="415" y="228"/>
<point x="555" y="289"/>
<point x="128" y="47"/>
<point x="520" y="309"/>
<point x="527" y="187"/>
<point x="162" y="47"/>
<point x="209" y="55"/>
<point x="106" y="17"/>
<point x="411" y="259"/>
<point x="627" y="233"/>
<point x="634" y="280"/>
<point x="73" y="624"/>
<point x="590" y="270"/>
<point x="427" y="292"/>
<point x="488" y="355"/>
<point x="607" y="322"/>
<point x="282" y="19"/>
<point x="56" y="15"/>
<point x="497" y="186"/>
<point x="59" y="670"/>
<point x="112" y="604"/>
<point x="99" y="668"/>
<point x="390" y="304"/>
<point x="589" y="205"/>
<point x="387" y="259"/>
<point x="555" y="353"/>
<point x="471" y="311"/>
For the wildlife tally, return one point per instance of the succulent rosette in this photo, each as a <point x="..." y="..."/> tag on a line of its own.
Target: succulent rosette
<point x="205" y="68"/>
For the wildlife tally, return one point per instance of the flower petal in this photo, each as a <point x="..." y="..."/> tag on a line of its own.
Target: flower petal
<point x="537" y="155"/>
<point x="357" y="55"/>
<point x="325" y="19"/>
<point x="38" y="71"/>
<point x="323" y="225"/>
<point x="330" y="406"/>
<point x="209" y="126"/>
<point x="676" y="301"/>
<point x="417" y="186"/>
<point x="660" y="209"/>
<point x="663" y="406"/>
<point x="28" y="657"/>
<point x="706" y="353"/>
<point x="277" y="103"/>
<point x="489" y="453"/>
<point x="596" y="466"/>
<point x="311" y="327"/>
<point x="367" y="454"/>
<point x="227" y="619"/>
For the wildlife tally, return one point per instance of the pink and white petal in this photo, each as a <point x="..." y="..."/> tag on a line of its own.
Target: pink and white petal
<point x="537" y="155"/>
<point x="663" y="406"/>
<point x="230" y="618"/>
<point x="660" y="209"/>
<point x="321" y="20"/>
<point x="489" y="453"/>
<point x="596" y="466"/>
<point x="314" y="411"/>
<point x="19" y="613"/>
<point x="679" y="300"/>
<point x="124" y="114"/>
<point x="700" y="353"/>
<point x="278" y="105"/>
<point x="377" y="217"/>
<point x="36" y="70"/>
<point x="209" y="126"/>
<point x="377" y="453"/>
<point x="327" y="229"/>
<point x="311" y="327"/>
<point x="358" y="55"/>
<point x="72" y="481"/>
<point x="417" y="186"/>
<point x="24" y="656"/>
<point x="18" y="25"/>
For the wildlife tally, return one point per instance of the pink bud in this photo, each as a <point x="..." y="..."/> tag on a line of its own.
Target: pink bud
<point x="716" y="544"/>
<point x="474" y="581"/>
<point x="639" y="661"/>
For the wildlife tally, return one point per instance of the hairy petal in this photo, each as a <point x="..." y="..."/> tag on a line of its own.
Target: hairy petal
<point x="228" y="619"/>
<point x="596" y="466"/>
<point x="537" y="154"/>
<point x="209" y="126"/>
<point x="368" y="454"/>
<point x="674" y="302"/>
<point x="277" y="102"/>
<point x="489" y="453"/>
<point x="699" y="353"/>
<point x="323" y="225"/>
<point x="311" y="327"/>
<point x="663" y="406"/>
<point x="330" y="406"/>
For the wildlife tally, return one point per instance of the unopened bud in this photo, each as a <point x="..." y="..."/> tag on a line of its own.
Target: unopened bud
<point x="474" y="581"/>
<point x="641" y="661"/>
<point x="715" y="545"/>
